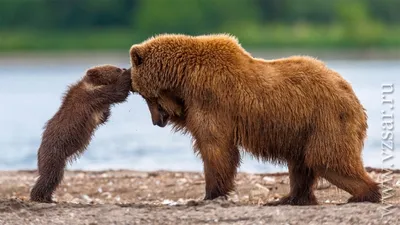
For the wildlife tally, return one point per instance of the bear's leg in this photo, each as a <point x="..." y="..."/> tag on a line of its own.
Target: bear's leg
<point x="220" y="167"/>
<point x="51" y="172"/>
<point x="214" y="141"/>
<point x="357" y="183"/>
<point x="302" y="180"/>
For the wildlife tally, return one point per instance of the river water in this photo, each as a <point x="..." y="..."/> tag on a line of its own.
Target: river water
<point x="31" y="90"/>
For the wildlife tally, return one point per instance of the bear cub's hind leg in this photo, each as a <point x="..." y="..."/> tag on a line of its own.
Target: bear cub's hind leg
<point x="50" y="177"/>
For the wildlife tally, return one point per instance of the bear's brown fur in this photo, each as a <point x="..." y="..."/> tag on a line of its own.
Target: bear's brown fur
<point x="292" y="110"/>
<point x="166" y="108"/>
<point x="85" y="106"/>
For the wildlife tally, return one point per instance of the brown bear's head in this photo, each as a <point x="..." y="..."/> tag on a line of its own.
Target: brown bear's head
<point x="104" y="75"/>
<point x="174" y="62"/>
<point x="165" y="108"/>
<point x="153" y="80"/>
<point x="156" y="65"/>
<point x="159" y="116"/>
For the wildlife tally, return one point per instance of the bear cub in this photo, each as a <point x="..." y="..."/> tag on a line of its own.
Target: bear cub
<point x="85" y="106"/>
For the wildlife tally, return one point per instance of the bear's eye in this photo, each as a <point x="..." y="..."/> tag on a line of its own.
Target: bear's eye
<point x="119" y="70"/>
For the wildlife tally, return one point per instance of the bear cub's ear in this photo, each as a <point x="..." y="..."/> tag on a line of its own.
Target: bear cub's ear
<point x="136" y="55"/>
<point x="93" y="73"/>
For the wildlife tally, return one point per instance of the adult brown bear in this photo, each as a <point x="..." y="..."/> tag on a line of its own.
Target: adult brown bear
<point x="293" y="110"/>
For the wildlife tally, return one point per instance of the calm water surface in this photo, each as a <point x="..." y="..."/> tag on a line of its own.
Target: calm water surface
<point x="30" y="93"/>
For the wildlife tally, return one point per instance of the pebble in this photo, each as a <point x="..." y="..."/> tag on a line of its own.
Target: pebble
<point x="87" y="198"/>
<point x="80" y="175"/>
<point x="181" y="181"/>
<point x="269" y="180"/>
<point x="68" y="197"/>
<point x="107" y="194"/>
<point x="169" y="202"/>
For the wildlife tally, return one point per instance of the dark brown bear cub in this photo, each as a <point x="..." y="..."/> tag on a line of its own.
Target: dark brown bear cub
<point x="85" y="106"/>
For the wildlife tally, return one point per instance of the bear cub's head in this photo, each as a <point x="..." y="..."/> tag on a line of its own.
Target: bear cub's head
<point x="105" y="75"/>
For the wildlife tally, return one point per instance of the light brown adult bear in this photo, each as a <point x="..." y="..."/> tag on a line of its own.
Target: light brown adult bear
<point x="293" y="110"/>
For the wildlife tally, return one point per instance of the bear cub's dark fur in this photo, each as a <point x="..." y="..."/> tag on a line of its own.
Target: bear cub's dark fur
<point x="85" y="106"/>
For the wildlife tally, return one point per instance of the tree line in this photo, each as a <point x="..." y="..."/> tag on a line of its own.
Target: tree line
<point x="115" y="24"/>
<point x="188" y="16"/>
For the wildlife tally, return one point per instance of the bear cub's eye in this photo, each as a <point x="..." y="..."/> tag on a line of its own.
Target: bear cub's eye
<point x="119" y="70"/>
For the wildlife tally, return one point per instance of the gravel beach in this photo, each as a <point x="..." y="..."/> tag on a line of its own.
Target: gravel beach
<point x="164" y="197"/>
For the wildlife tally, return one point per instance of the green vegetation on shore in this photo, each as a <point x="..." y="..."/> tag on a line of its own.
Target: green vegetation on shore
<point x="278" y="36"/>
<point x="51" y="25"/>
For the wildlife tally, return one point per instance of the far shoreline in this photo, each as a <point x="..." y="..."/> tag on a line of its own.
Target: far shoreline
<point x="92" y="56"/>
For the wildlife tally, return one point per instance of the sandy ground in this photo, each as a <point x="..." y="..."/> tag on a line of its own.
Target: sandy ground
<point x="132" y="197"/>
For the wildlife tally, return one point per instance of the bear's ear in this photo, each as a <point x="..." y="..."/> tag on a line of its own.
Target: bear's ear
<point x="93" y="73"/>
<point x="136" y="55"/>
